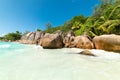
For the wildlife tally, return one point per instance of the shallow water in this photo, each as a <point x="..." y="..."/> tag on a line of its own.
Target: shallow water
<point x="31" y="62"/>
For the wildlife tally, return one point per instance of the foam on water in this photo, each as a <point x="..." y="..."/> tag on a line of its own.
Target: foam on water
<point x="5" y="46"/>
<point x="31" y="62"/>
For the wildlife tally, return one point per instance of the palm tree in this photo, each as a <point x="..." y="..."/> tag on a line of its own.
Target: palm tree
<point x="109" y="21"/>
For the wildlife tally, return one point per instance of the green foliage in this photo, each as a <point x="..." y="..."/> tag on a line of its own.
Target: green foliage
<point x="48" y="28"/>
<point x="109" y="20"/>
<point x="104" y="20"/>
<point x="65" y="28"/>
<point x="48" y="25"/>
<point x="74" y="23"/>
<point x="38" y="30"/>
<point x="1" y="38"/>
<point x="13" y="36"/>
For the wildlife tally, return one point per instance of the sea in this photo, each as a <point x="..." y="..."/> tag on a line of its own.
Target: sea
<point x="32" y="62"/>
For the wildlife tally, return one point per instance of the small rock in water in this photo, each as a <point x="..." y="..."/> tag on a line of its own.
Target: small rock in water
<point x="87" y="52"/>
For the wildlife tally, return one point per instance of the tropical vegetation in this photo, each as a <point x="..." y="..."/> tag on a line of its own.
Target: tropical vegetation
<point x="105" y="19"/>
<point x="12" y="36"/>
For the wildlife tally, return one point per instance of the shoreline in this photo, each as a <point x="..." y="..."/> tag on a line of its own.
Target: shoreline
<point x="109" y="42"/>
<point x="58" y="40"/>
<point x="77" y="51"/>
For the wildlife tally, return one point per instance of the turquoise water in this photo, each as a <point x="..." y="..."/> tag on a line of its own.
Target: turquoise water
<point x="31" y="62"/>
<point x="5" y="46"/>
<point x="8" y="47"/>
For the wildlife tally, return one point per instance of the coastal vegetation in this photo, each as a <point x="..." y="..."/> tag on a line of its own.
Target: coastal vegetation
<point x="12" y="36"/>
<point x="105" y="19"/>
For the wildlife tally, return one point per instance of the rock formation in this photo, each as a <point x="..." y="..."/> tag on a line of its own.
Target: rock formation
<point x="83" y="42"/>
<point x="59" y="40"/>
<point x="68" y="39"/>
<point x="51" y="41"/>
<point x="107" y="42"/>
<point x="31" y="38"/>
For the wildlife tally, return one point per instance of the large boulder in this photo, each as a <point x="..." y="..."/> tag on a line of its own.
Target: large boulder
<point x="26" y="36"/>
<point x="70" y="33"/>
<point x="107" y="42"/>
<point x="60" y="33"/>
<point x="68" y="42"/>
<point x="51" y="41"/>
<point x="38" y="35"/>
<point x="68" y="39"/>
<point x="83" y="42"/>
<point x="31" y="38"/>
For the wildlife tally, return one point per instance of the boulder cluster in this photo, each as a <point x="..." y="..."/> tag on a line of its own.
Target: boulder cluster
<point x="59" y="40"/>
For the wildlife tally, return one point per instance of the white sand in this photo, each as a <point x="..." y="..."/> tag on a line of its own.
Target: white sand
<point x="35" y="63"/>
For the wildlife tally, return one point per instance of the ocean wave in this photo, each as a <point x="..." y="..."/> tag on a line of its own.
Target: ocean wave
<point x="5" y="46"/>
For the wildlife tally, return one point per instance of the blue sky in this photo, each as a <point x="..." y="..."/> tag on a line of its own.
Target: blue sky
<point x="27" y="15"/>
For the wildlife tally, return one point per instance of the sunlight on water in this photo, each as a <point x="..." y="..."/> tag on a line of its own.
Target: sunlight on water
<point x="31" y="62"/>
<point x="5" y="46"/>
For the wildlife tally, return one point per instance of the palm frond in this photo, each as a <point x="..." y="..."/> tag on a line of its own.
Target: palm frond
<point x="112" y="12"/>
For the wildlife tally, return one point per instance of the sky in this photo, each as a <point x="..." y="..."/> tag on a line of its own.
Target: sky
<point x="28" y="15"/>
